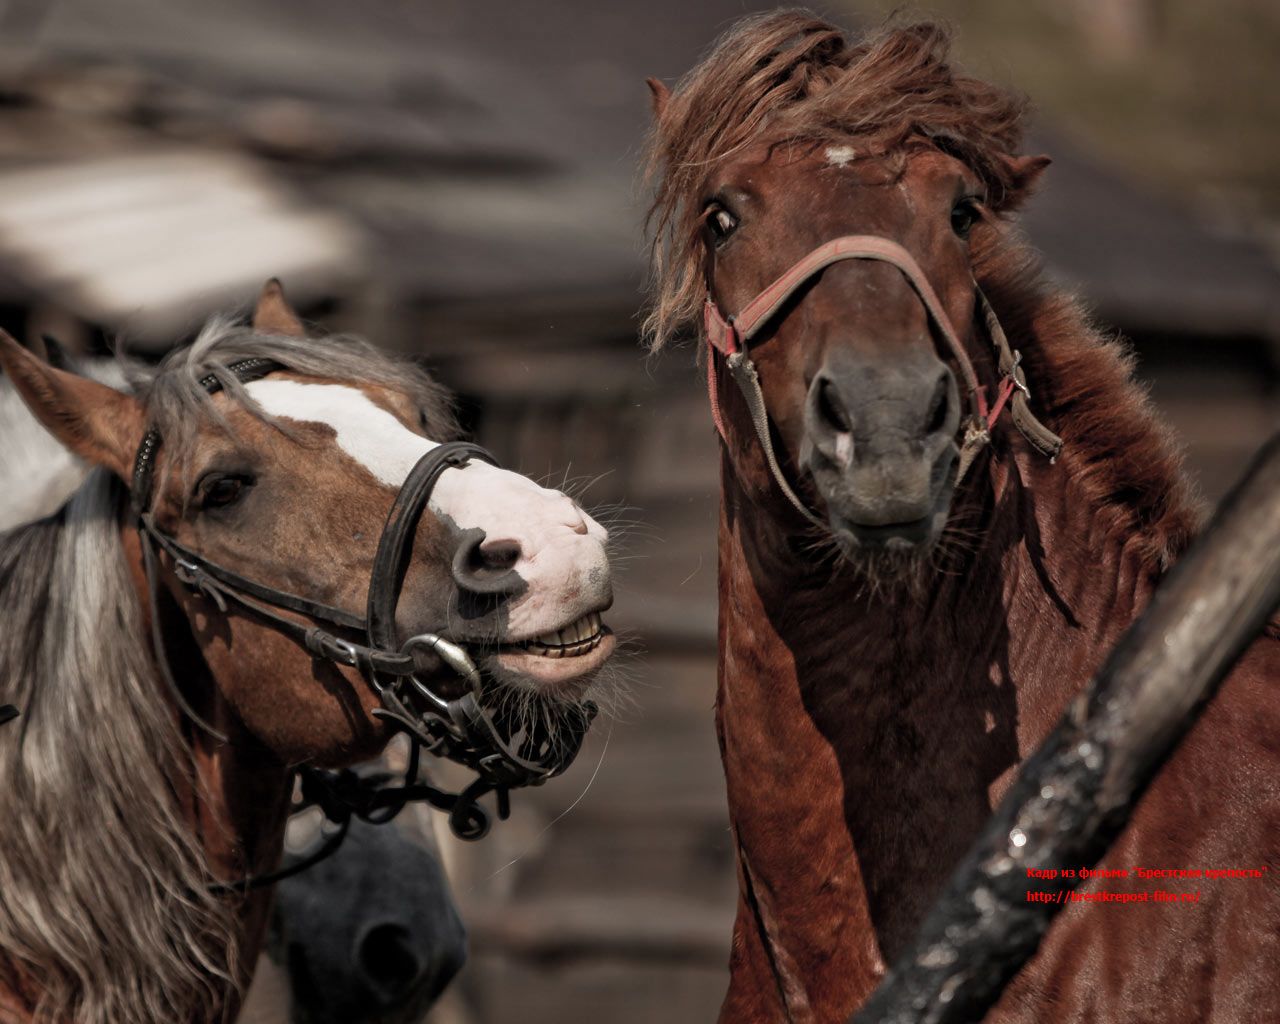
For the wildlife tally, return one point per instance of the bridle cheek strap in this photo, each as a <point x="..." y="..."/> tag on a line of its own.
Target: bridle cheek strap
<point x="731" y="338"/>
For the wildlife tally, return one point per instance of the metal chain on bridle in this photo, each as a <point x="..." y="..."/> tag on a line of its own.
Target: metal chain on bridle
<point x="730" y="337"/>
<point x="453" y="722"/>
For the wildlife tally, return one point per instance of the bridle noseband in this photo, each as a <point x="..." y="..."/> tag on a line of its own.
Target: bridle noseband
<point x="503" y="752"/>
<point x="731" y="337"/>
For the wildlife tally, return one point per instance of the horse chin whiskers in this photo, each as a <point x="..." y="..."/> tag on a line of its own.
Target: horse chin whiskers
<point x="881" y="573"/>
<point x="559" y="714"/>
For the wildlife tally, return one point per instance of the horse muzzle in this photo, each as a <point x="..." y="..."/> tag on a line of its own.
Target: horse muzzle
<point x="880" y="444"/>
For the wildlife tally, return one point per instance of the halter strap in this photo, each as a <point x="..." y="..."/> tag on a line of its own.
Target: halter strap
<point x="731" y="337"/>
<point x="392" y="558"/>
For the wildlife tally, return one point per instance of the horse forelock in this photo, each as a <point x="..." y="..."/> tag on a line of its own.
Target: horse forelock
<point x="790" y="76"/>
<point x="180" y="406"/>
<point x="105" y="914"/>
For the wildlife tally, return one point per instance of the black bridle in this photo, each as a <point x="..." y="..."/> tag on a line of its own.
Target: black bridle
<point x="504" y="752"/>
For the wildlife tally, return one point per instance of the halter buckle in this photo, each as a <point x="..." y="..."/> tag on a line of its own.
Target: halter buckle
<point x="189" y="574"/>
<point x="344" y="652"/>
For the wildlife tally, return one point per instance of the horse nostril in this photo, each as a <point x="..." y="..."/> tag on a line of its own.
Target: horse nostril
<point x="482" y="566"/>
<point x="939" y="406"/>
<point x="388" y="962"/>
<point x="498" y="555"/>
<point x="831" y="409"/>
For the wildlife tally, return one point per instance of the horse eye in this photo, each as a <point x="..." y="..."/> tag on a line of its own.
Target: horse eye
<point x="963" y="216"/>
<point x="721" y="222"/>
<point x="219" y="491"/>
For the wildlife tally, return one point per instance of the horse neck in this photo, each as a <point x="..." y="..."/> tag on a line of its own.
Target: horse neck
<point x="866" y="733"/>
<point x="237" y="799"/>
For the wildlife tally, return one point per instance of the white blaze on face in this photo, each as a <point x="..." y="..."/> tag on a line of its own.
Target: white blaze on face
<point x="839" y="156"/>
<point x="562" y="556"/>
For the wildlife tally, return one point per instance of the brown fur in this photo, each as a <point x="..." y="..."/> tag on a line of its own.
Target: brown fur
<point x="868" y="723"/>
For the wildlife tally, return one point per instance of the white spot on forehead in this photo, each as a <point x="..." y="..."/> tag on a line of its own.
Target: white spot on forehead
<point x="838" y="156"/>
<point x="364" y="430"/>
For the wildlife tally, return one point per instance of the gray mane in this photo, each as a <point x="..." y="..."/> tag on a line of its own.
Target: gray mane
<point x="178" y="404"/>
<point x="104" y="906"/>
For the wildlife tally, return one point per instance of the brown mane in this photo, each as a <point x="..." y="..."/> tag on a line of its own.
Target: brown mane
<point x="790" y="76"/>
<point x="1122" y="461"/>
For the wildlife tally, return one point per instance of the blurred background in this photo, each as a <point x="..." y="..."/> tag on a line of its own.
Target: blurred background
<point x="459" y="180"/>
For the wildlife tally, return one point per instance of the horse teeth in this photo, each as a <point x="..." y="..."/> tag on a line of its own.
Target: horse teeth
<point x="577" y="638"/>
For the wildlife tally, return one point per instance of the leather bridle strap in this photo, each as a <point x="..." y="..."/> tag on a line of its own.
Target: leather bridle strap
<point x="731" y="337"/>
<point x="222" y="585"/>
<point x="457" y="727"/>
<point x="1008" y="362"/>
<point x="744" y="375"/>
<point x="395" y="546"/>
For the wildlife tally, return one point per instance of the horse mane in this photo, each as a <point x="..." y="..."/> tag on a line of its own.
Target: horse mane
<point x="1120" y="458"/>
<point x="105" y="911"/>
<point x="789" y="76"/>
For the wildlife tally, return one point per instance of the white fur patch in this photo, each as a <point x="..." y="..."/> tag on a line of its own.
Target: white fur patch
<point x="838" y="156"/>
<point x="365" y="431"/>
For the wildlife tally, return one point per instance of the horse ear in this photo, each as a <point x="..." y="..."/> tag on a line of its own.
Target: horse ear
<point x="274" y="315"/>
<point x="98" y="423"/>
<point x="659" y="94"/>
<point x="1023" y="174"/>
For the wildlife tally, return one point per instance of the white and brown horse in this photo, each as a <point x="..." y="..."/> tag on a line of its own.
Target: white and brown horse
<point x="121" y="813"/>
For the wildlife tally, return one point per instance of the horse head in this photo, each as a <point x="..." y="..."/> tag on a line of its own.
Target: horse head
<point x="288" y="481"/>
<point x="835" y="232"/>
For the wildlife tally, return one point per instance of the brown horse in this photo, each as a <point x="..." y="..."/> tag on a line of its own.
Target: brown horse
<point x="120" y="812"/>
<point x="893" y="647"/>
